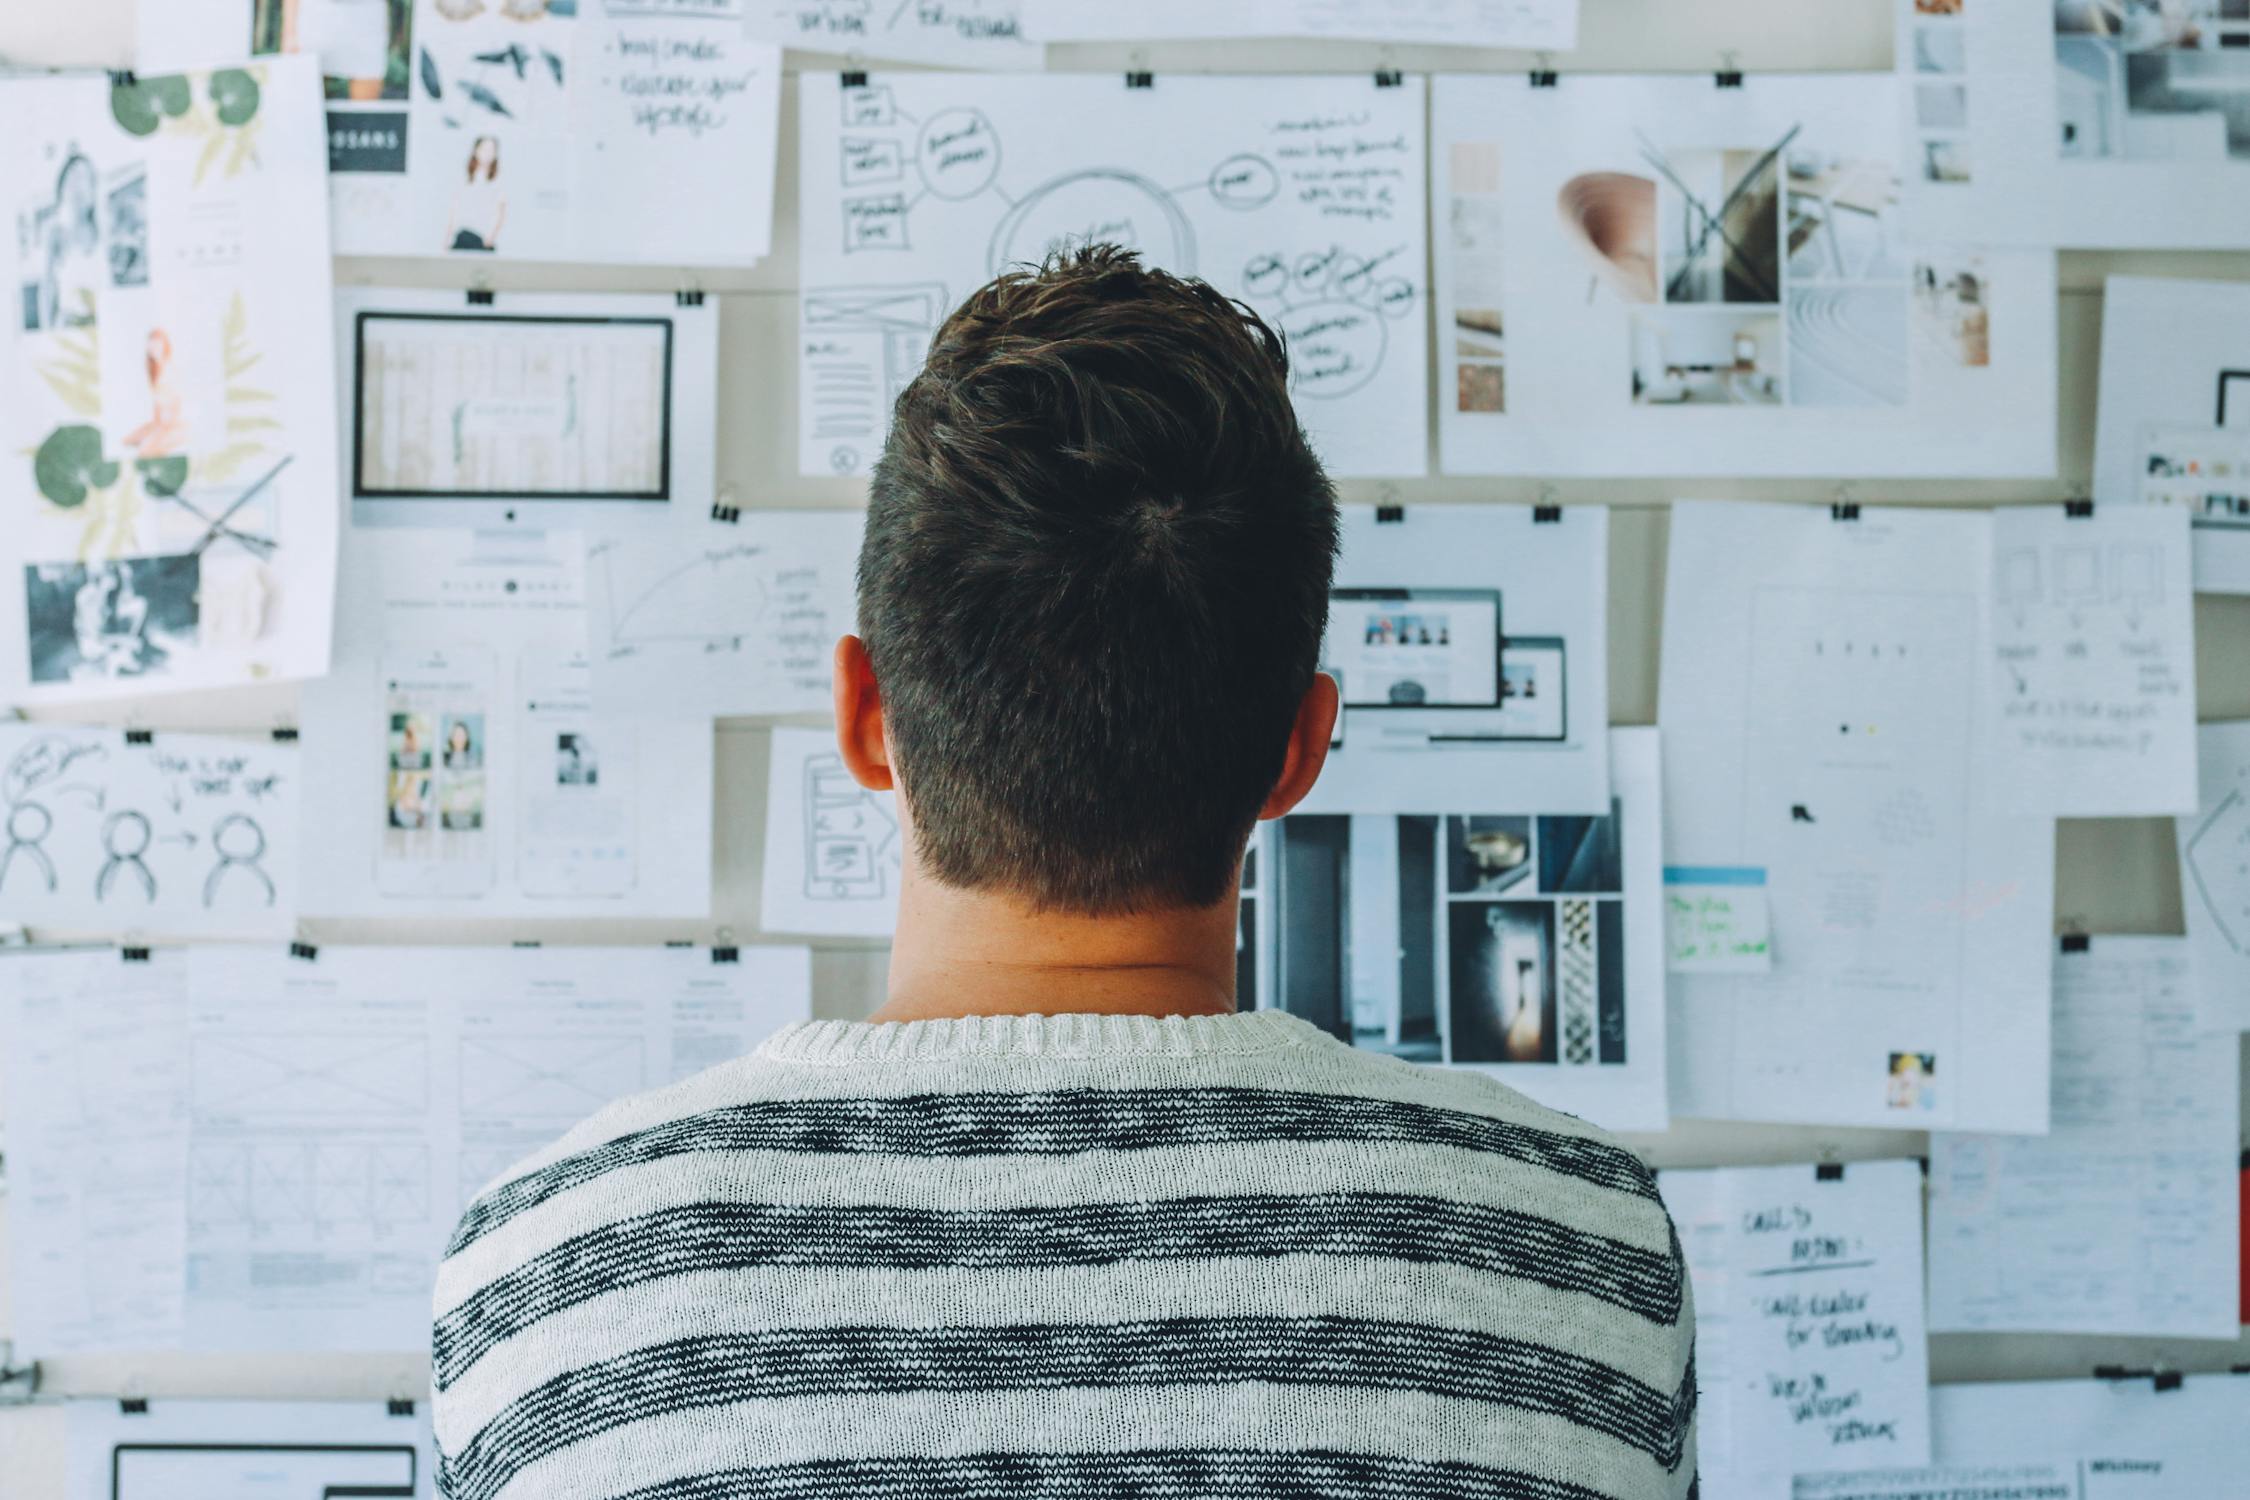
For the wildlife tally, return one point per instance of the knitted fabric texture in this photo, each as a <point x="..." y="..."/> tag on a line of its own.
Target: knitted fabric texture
<point x="1069" y="1256"/>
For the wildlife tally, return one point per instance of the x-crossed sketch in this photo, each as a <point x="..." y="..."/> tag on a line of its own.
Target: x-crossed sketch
<point x="249" y="1073"/>
<point x="235" y="1184"/>
<point x="549" y="1076"/>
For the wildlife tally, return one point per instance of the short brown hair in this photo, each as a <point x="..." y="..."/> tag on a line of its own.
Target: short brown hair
<point x="1094" y="585"/>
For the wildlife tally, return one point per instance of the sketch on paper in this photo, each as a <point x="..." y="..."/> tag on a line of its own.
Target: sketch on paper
<point x="2214" y="849"/>
<point x="1828" y="698"/>
<point x="1301" y="196"/>
<point x="729" y="616"/>
<point x="1709" y="273"/>
<point x="834" y="850"/>
<point x="2094" y="650"/>
<point x="188" y="834"/>
<point x="1457" y="23"/>
<point x="171" y="412"/>
<point x="851" y="839"/>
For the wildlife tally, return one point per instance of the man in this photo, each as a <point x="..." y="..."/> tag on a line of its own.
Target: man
<point x="1059" y="1222"/>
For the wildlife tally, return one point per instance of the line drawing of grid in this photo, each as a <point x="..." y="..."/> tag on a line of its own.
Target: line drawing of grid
<point x="265" y="1183"/>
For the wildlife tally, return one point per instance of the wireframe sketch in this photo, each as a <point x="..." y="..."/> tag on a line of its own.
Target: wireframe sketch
<point x="1299" y="196"/>
<point x="551" y="1077"/>
<point x="851" y="838"/>
<point x="2153" y="79"/>
<point x="270" y="1183"/>
<point x="307" y="1074"/>
<point x="862" y="346"/>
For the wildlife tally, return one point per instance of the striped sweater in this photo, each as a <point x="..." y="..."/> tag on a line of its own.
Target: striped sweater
<point x="1062" y="1257"/>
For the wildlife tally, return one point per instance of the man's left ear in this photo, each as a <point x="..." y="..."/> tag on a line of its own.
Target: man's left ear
<point x="859" y="718"/>
<point x="1308" y="746"/>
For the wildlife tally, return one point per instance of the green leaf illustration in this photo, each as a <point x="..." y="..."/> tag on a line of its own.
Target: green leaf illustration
<point x="133" y="109"/>
<point x="164" y="476"/>
<point x="234" y="94"/>
<point x="70" y="463"/>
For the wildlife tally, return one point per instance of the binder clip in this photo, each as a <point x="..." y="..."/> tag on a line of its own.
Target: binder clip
<point x="140" y="736"/>
<point x="132" y="955"/>
<point x="306" y="952"/>
<point x="688" y="298"/>
<point x="1389" y="78"/>
<point x="2079" y="510"/>
<point x="722" y="510"/>
<point x="726" y="955"/>
<point x="400" y="1406"/>
<point x="1730" y="76"/>
<point x="480" y="296"/>
<point x="1544" y="76"/>
<point x="1141" y="80"/>
<point x="1828" y="1171"/>
<point x="854" y="79"/>
<point x="1546" y="515"/>
<point x="123" y="78"/>
<point x="284" y="734"/>
<point x="2077" y="942"/>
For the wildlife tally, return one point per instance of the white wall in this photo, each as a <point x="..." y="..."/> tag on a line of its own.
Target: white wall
<point x="2115" y="876"/>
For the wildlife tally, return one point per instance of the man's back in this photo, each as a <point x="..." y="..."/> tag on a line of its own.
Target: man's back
<point x="1072" y="1255"/>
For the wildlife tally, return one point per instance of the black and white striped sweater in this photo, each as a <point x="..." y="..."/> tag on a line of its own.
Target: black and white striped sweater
<point x="1069" y="1256"/>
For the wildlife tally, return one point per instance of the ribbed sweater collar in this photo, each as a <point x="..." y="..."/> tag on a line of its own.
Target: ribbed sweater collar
<point x="1076" y="1035"/>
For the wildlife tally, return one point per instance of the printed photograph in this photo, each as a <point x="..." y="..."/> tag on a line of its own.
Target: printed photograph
<point x="127" y="617"/>
<point x="1480" y="387"/>
<point x="1357" y="929"/>
<point x="1941" y="106"/>
<point x="1502" y="965"/>
<point x="461" y="800"/>
<point x="1913" y="1081"/>
<point x="1485" y="856"/>
<point x="464" y="742"/>
<point x="2153" y="79"/>
<point x="1945" y="161"/>
<point x="1718" y="217"/>
<point x="1580" y="855"/>
<point x="60" y="260"/>
<point x="575" y="763"/>
<point x="370" y="41"/>
<point x="413" y="740"/>
<point x="1952" y="320"/>
<point x="408" y="800"/>
<point x="1707" y="356"/>
<point x="1941" y="49"/>
<point x="1847" y="345"/>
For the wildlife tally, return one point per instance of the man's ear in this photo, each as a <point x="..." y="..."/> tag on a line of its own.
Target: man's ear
<point x="1308" y="746"/>
<point x="859" y="717"/>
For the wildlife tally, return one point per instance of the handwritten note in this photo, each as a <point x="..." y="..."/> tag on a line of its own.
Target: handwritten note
<point x="1810" y="1349"/>
<point x="2123" y="1218"/>
<point x="672" y="99"/>
<point x="1716" y="920"/>
<point x="2093" y="640"/>
<point x="946" y="33"/>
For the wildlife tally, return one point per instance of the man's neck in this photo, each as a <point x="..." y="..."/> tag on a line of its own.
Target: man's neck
<point x="973" y="953"/>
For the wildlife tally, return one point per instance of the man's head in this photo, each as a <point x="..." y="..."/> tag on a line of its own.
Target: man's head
<point x="1092" y="592"/>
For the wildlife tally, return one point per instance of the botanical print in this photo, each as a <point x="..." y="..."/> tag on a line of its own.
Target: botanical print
<point x="171" y="386"/>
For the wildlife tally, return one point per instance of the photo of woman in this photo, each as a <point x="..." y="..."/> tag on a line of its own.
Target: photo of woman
<point x="165" y="432"/>
<point x="464" y="750"/>
<point x="479" y="205"/>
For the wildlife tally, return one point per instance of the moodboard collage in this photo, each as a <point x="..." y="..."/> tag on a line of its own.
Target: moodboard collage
<point x="438" y="488"/>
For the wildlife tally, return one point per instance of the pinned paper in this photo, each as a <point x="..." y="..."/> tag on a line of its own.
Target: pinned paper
<point x="1716" y="920"/>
